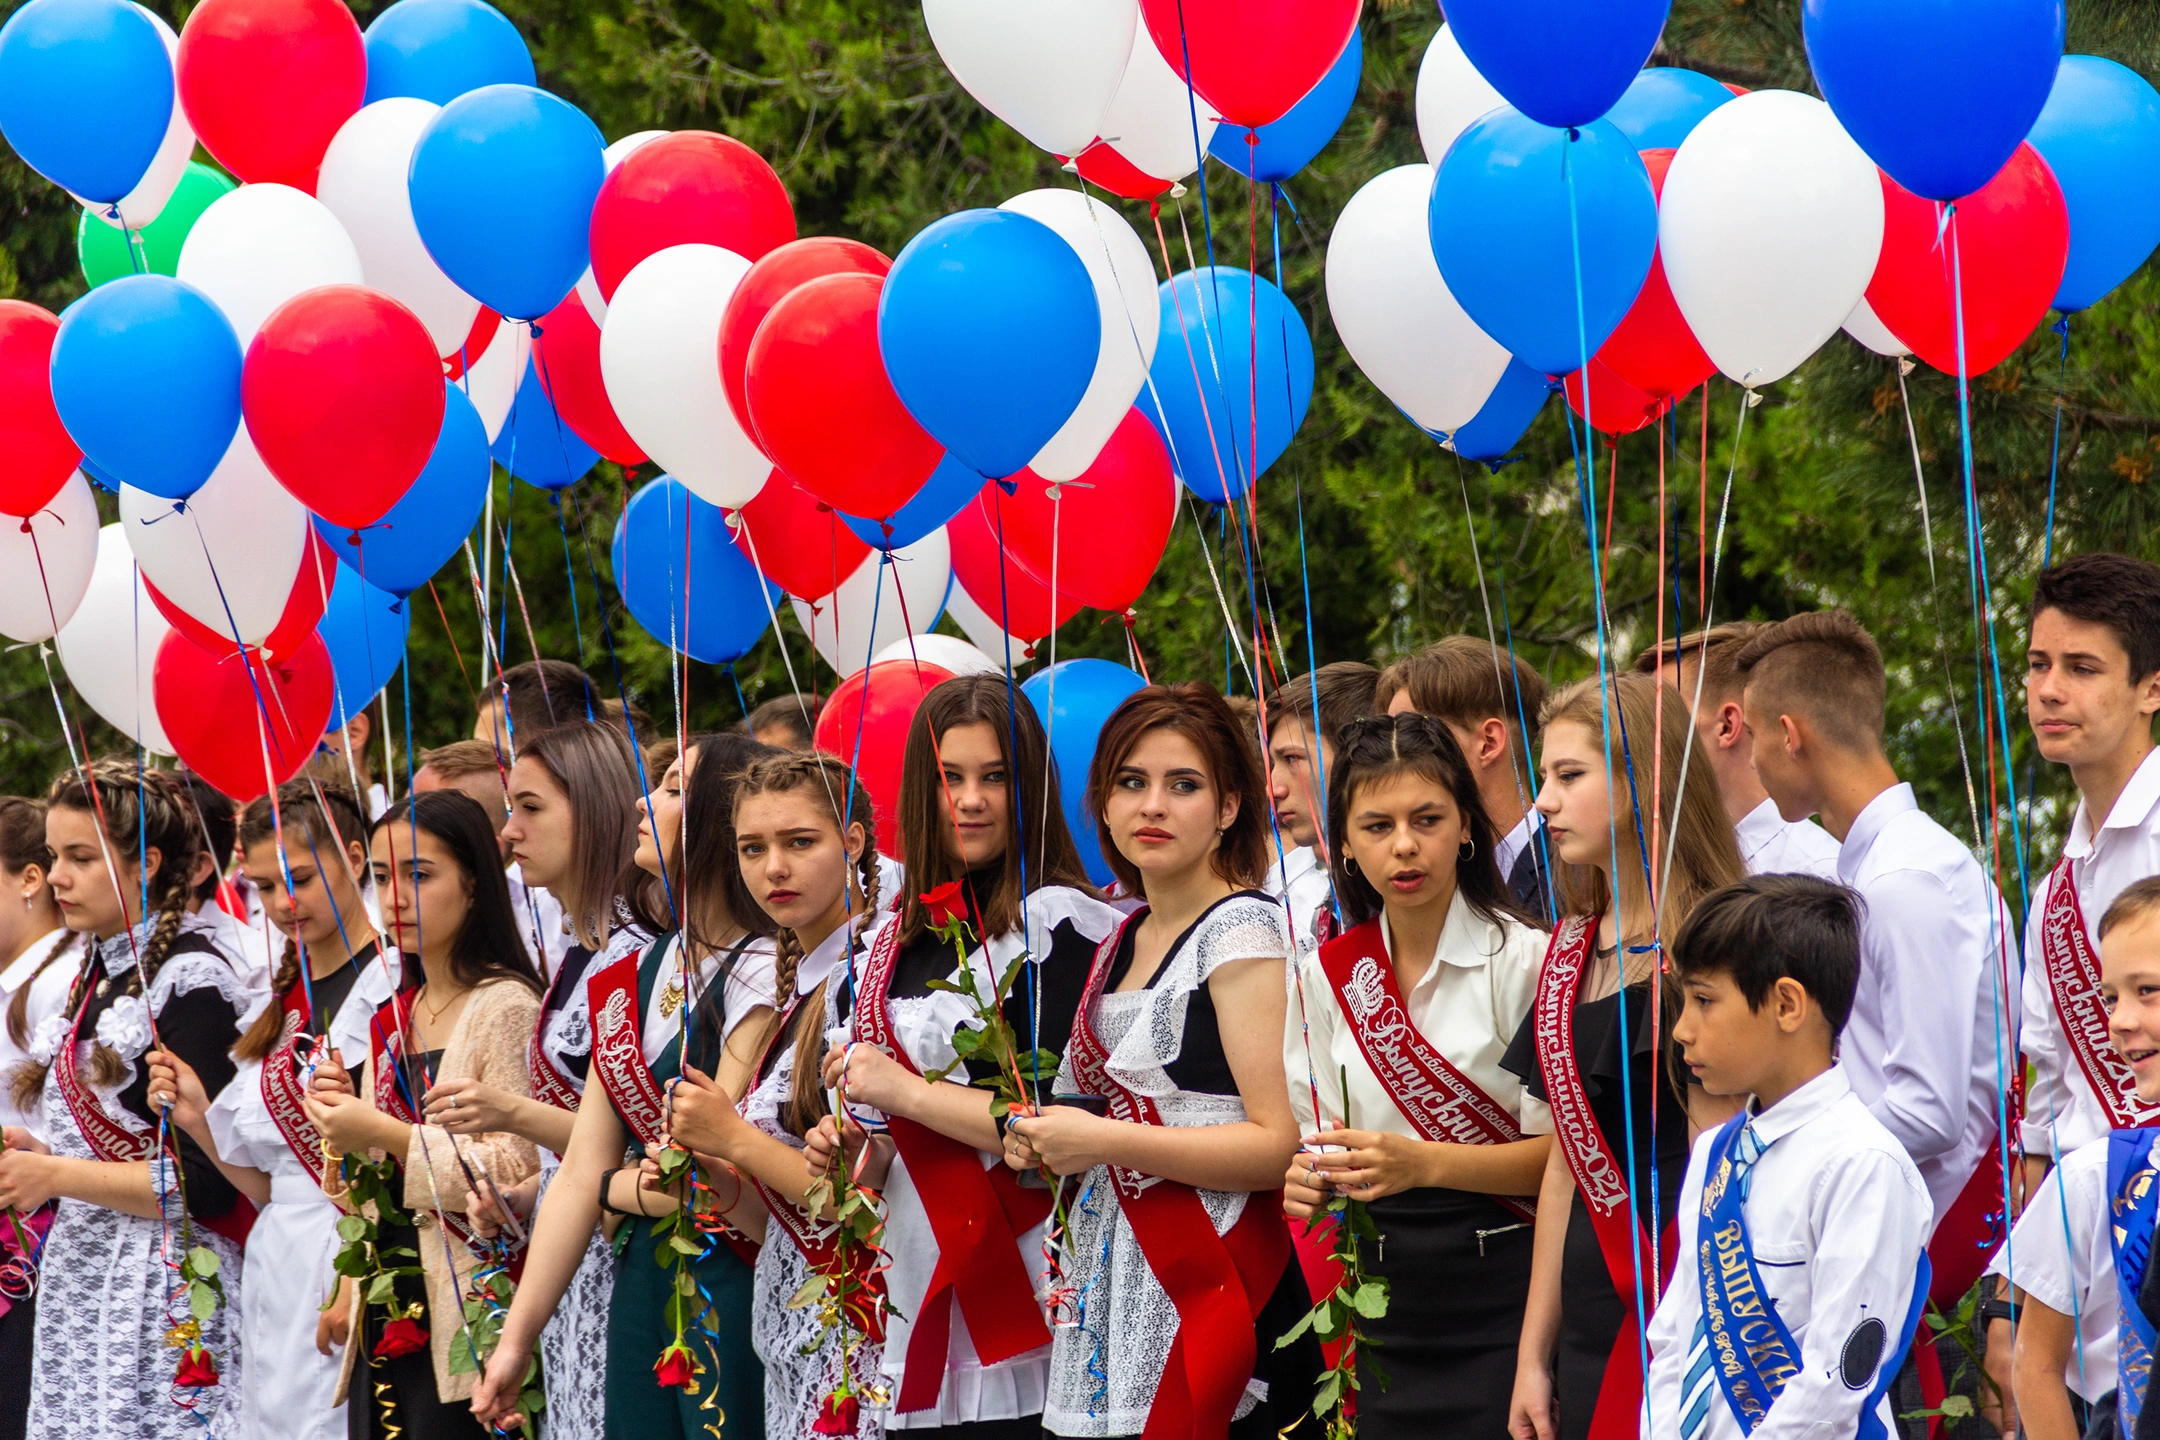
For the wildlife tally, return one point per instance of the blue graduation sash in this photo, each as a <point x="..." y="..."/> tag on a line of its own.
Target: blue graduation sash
<point x="2131" y="1206"/>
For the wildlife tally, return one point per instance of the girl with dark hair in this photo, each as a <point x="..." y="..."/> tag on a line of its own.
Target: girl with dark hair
<point x="447" y="910"/>
<point x="979" y="809"/>
<point x="697" y="1001"/>
<point x="1179" y="1244"/>
<point x="123" y="843"/>
<point x="304" y="855"/>
<point x="1413" y="1006"/>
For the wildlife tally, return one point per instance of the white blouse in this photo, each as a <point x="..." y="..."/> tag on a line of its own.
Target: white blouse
<point x="48" y="997"/>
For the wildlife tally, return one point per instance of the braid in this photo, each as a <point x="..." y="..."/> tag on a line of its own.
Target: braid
<point x="269" y="1027"/>
<point x="788" y="958"/>
<point x="26" y="1082"/>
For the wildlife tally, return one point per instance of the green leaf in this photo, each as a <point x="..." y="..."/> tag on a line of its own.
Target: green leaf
<point x="945" y="985"/>
<point x="352" y="1228"/>
<point x="1371" y="1300"/>
<point x="684" y="1247"/>
<point x="381" y="1290"/>
<point x="461" y="1358"/>
<point x="203" y="1261"/>
<point x="1328" y="1394"/>
<point x="202" y="1302"/>
<point x="1290" y="1336"/>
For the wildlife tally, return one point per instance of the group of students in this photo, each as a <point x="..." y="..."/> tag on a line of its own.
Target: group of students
<point x="651" y="1092"/>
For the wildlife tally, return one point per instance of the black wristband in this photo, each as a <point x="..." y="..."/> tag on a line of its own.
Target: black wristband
<point x="607" y="1178"/>
<point x="1994" y="1307"/>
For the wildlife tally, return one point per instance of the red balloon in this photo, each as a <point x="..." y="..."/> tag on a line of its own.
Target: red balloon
<point x="568" y="356"/>
<point x="1653" y="349"/>
<point x="296" y="622"/>
<point x="1101" y="164"/>
<point x="1015" y="599"/>
<point x="872" y="709"/>
<point x="38" y="455"/>
<point x="797" y="540"/>
<point x="209" y="708"/>
<point x="267" y="83"/>
<point x="821" y="405"/>
<point x="1251" y="59"/>
<point x="770" y="279"/>
<point x="688" y="188"/>
<point x="343" y="394"/>
<point x="2012" y="238"/>
<point x="474" y="345"/>
<point x="1108" y="538"/>
<point x="1617" y="408"/>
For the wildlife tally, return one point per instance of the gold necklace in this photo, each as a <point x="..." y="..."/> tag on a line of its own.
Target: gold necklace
<point x="420" y="1000"/>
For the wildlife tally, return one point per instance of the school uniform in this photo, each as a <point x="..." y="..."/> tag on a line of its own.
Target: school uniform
<point x="539" y="922"/>
<point x="1300" y="880"/>
<point x="1426" y="1065"/>
<point x="47" y="997"/>
<point x="1798" y="1287"/>
<point x="2133" y="1189"/>
<point x="2081" y="1089"/>
<point x="2061" y="1253"/>
<point x="1772" y="845"/>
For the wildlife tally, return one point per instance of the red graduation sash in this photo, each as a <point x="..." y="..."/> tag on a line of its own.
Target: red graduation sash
<point x="549" y="1086"/>
<point x="1438" y="1100"/>
<point x="977" y="1216"/>
<point x="1598" y="1175"/>
<point x="285" y="1098"/>
<point x="2072" y="972"/>
<point x="1218" y="1283"/>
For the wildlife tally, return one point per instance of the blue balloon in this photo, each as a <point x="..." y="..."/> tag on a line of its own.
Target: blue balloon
<point x="1206" y="350"/>
<point x="2100" y="134"/>
<point x="1561" y="62"/>
<point x="364" y="630"/>
<point x="502" y="184"/>
<point x="1086" y="692"/>
<point x="86" y="93"/>
<point x="1519" y="210"/>
<point x="949" y="487"/>
<point x="146" y="376"/>
<point x="1939" y="93"/>
<point x="990" y="329"/>
<point x="1663" y="104"/>
<point x="96" y="476"/>
<point x="402" y="551"/>
<point x="440" y="49"/>
<point x="1287" y="145"/>
<point x="727" y="610"/>
<point x="535" y="445"/>
<point x="1504" y="416"/>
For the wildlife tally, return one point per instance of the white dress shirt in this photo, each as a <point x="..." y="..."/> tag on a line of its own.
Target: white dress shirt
<point x="1836" y="1215"/>
<point x="2062" y="1255"/>
<point x="1772" y="845"/>
<point x="1468" y="1005"/>
<point x="1301" y="882"/>
<point x="48" y="997"/>
<point x="1923" y="1048"/>
<point x="1511" y="844"/>
<point x="539" y="922"/>
<point x="2061" y="1111"/>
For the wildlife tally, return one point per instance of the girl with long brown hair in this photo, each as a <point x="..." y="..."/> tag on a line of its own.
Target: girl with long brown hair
<point x="1614" y="753"/>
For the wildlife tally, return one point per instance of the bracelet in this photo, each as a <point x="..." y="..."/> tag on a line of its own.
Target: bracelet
<point x="607" y="1178"/>
<point x="1997" y="1308"/>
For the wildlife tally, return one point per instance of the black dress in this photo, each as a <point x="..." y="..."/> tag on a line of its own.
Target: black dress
<point x="1592" y="1311"/>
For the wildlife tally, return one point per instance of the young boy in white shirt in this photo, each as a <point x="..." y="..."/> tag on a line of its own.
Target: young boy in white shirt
<point x="2130" y="991"/>
<point x="2064" y="1261"/>
<point x="1800" y="1272"/>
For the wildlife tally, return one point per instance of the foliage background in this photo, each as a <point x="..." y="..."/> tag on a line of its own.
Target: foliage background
<point x="874" y="139"/>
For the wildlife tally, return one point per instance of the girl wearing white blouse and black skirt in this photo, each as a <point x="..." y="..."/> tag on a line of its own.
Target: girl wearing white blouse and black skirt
<point x="1415" y="1004"/>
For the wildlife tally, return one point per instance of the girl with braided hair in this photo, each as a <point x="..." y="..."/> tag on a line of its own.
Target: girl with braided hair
<point x="124" y="843"/>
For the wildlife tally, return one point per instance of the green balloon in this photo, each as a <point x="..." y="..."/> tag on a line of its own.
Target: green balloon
<point x="106" y="253"/>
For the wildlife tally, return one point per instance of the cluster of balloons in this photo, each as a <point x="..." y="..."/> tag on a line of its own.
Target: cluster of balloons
<point x="1625" y="233"/>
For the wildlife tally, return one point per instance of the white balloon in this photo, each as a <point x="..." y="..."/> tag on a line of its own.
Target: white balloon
<point x="228" y="555"/>
<point x="493" y="379"/>
<point x="146" y="201"/>
<point x="588" y="289"/>
<point x="1865" y="326"/>
<point x="1395" y="313"/>
<point x="1117" y="261"/>
<point x="45" y="565"/>
<point x="947" y="652"/>
<point x="1770" y="225"/>
<point x="256" y="247"/>
<point x="109" y="649"/>
<point x="1151" y="119"/>
<point x="1451" y="95"/>
<point x="659" y="357"/>
<point x="912" y="588"/>
<point x="1047" y="67"/>
<point x="363" y="185"/>
<point x="982" y="628"/>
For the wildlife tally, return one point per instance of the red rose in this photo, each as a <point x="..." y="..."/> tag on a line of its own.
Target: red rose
<point x="840" y="1412"/>
<point x="945" y="904"/>
<point x="676" y="1369"/>
<point x="197" y="1368"/>
<point x="400" y="1337"/>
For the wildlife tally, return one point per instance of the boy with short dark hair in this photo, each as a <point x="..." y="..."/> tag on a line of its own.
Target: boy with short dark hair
<point x="1800" y="1274"/>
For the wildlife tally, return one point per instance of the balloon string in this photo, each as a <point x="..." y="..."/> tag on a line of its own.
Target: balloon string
<point x="457" y="652"/>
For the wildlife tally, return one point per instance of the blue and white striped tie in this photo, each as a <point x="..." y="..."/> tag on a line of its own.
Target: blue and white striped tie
<point x="1700" y="1387"/>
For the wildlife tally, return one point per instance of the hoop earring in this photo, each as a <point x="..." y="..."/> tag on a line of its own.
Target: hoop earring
<point x="1350" y="863"/>
<point x="1468" y="850"/>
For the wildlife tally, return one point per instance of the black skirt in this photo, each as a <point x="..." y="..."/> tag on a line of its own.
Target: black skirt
<point x="1458" y="1271"/>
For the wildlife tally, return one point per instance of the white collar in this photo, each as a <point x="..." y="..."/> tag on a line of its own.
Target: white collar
<point x="18" y="974"/>
<point x="1756" y="828"/>
<point x="1869" y="823"/>
<point x="2133" y="808"/>
<point x="821" y="962"/>
<point x="1467" y="939"/>
<point x="1804" y="1104"/>
<point x="1512" y="844"/>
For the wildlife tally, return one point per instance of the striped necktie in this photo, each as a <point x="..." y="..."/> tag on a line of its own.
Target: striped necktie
<point x="1700" y="1386"/>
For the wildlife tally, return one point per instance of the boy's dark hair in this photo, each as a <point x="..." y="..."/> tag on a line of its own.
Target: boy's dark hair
<point x="1345" y="688"/>
<point x="2117" y="592"/>
<point x="220" y="822"/>
<point x="796" y="716"/>
<point x="543" y="693"/>
<point x="1770" y="927"/>
<point x="2135" y="903"/>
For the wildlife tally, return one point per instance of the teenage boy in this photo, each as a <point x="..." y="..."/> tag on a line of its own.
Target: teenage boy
<point x="1801" y="1220"/>
<point x="1700" y="668"/>
<point x="1489" y="699"/>
<point x="2130" y="989"/>
<point x="2092" y="685"/>
<point x="1923" y="1048"/>
<point x="1301" y="757"/>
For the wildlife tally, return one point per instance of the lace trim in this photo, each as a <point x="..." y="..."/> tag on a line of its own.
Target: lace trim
<point x="1244" y="927"/>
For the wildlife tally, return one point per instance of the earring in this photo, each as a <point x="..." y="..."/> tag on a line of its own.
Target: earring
<point x="1350" y="863"/>
<point x="1469" y="848"/>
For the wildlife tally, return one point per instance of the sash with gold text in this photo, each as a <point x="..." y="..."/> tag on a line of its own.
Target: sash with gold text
<point x="2072" y="972"/>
